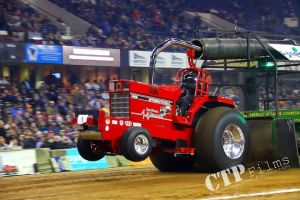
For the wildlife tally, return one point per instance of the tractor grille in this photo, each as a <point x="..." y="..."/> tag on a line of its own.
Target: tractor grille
<point x="119" y="104"/>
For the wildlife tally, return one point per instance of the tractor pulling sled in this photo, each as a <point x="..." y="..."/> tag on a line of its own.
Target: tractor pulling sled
<point x="181" y="126"/>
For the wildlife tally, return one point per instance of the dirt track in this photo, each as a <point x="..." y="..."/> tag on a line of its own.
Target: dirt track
<point x="142" y="183"/>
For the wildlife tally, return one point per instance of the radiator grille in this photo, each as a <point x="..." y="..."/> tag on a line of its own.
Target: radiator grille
<point x="119" y="104"/>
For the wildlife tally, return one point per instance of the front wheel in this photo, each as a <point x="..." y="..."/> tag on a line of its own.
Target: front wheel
<point x="89" y="149"/>
<point x="136" y="144"/>
<point x="221" y="139"/>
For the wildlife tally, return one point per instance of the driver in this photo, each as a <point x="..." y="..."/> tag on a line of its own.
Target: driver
<point x="188" y="86"/>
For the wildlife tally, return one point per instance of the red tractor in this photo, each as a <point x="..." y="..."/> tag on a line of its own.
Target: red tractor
<point x="179" y="126"/>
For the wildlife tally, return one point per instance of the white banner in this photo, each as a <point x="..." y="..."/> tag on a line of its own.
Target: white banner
<point x="91" y="56"/>
<point x="289" y="68"/>
<point x="290" y="52"/>
<point x="163" y="60"/>
<point x="17" y="162"/>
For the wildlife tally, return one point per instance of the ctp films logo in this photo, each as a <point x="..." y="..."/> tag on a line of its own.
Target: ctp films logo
<point x="231" y="175"/>
<point x="212" y="178"/>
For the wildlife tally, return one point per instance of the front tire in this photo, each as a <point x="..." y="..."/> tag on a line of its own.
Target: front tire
<point x="221" y="139"/>
<point x="89" y="150"/>
<point x="136" y="144"/>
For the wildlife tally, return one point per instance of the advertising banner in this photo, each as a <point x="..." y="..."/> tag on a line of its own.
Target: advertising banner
<point x="290" y="52"/>
<point x="17" y="162"/>
<point x="163" y="60"/>
<point x="78" y="163"/>
<point x="43" y="54"/>
<point x="91" y="56"/>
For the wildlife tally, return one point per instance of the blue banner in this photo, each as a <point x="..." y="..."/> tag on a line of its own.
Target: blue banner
<point x="43" y="54"/>
<point x="78" y="163"/>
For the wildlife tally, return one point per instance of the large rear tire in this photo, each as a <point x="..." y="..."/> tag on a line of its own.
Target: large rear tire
<point x="89" y="150"/>
<point x="166" y="162"/>
<point x="221" y="139"/>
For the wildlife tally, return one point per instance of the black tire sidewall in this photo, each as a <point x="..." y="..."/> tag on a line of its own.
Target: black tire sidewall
<point x="127" y="144"/>
<point x="208" y="139"/>
<point x="86" y="152"/>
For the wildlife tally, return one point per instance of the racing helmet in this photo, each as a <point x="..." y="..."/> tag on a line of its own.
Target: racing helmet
<point x="189" y="80"/>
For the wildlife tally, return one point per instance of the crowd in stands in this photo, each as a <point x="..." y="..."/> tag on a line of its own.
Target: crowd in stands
<point x="36" y="118"/>
<point x="262" y="16"/>
<point x="133" y="24"/>
<point x="24" y="24"/>
<point x="288" y="94"/>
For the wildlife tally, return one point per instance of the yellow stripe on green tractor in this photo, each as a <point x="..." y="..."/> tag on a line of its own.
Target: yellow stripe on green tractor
<point x="283" y="114"/>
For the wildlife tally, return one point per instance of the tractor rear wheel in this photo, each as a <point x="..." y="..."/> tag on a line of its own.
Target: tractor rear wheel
<point x="89" y="150"/>
<point x="221" y="139"/>
<point x="166" y="162"/>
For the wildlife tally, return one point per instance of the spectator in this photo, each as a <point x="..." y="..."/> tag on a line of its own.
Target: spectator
<point x="93" y="104"/>
<point x="87" y="84"/>
<point x="54" y="142"/>
<point x="42" y="126"/>
<point x="41" y="139"/>
<point x="29" y="142"/>
<point x="2" y="129"/>
<point x="95" y="86"/>
<point x="14" y="144"/>
<point x="51" y="109"/>
<point x="61" y="107"/>
<point x="3" y="82"/>
<point x="11" y="135"/>
<point x="38" y="100"/>
<point x="67" y="142"/>
<point x="53" y="127"/>
<point x="3" y="145"/>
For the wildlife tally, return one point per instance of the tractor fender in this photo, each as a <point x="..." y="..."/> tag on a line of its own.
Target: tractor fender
<point x="211" y="102"/>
